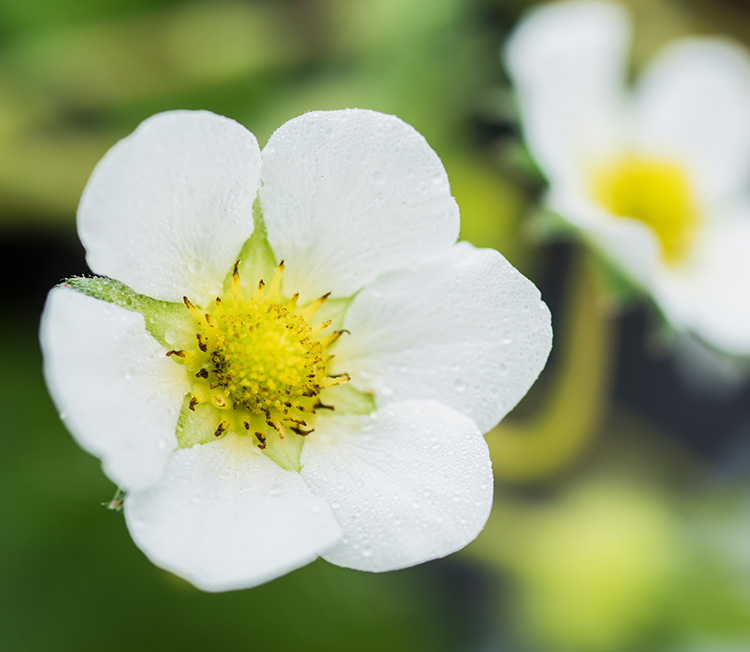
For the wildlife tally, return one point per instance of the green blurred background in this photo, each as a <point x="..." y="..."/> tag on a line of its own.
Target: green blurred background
<point x="622" y="510"/>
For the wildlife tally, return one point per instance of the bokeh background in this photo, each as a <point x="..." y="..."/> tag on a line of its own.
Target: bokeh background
<point x="622" y="511"/>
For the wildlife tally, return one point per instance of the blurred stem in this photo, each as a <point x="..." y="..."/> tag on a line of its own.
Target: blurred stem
<point x="541" y="446"/>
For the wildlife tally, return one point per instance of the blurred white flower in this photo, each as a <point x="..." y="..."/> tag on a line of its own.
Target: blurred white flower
<point x="654" y="178"/>
<point x="249" y="436"/>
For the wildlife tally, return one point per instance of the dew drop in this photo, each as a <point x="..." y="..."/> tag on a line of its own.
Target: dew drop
<point x="195" y="266"/>
<point x="171" y="337"/>
<point x="459" y="384"/>
<point x="276" y="491"/>
<point x="506" y="337"/>
<point x="366" y="552"/>
<point x="415" y="505"/>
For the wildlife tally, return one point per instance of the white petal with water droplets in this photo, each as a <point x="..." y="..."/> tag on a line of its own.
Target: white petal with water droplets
<point x="168" y="208"/>
<point x="409" y="483"/>
<point x="226" y="517"/>
<point x="347" y="195"/>
<point x="465" y="329"/>
<point x="117" y="391"/>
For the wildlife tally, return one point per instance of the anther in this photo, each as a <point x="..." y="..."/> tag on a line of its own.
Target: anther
<point x="327" y="341"/>
<point x="276" y="280"/>
<point x="193" y="402"/>
<point x="223" y="427"/>
<point x="177" y="352"/>
<point x="310" y="310"/>
<point x="261" y="440"/>
<point x="202" y="342"/>
<point x="197" y="314"/>
<point x="203" y="373"/>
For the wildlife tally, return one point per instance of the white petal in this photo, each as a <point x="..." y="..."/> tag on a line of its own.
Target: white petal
<point x="709" y="295"/>
<point x="350" y="194"/>
<point x="568" y="63"/>
<point x="409" y="483"/>
<point x="629" y="243"/>
<point x="464" y="328"/>
<point x="693" y="104"/>
<point x="226" y="517"/>
<point x="114" y="386"/>
<point x="169" y="207"/>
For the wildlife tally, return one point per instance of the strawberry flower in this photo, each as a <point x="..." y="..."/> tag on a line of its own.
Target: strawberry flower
<point x="286" y="355"/>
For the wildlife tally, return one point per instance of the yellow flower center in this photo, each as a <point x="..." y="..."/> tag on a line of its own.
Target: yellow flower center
<point x="657" y="193"/>
<point x="257" y="361"/>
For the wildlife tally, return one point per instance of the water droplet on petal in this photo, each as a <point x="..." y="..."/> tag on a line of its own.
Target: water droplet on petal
<point x="171" y="337"/>
<point x="276" y="491"/>
<point x="459" y="384"/>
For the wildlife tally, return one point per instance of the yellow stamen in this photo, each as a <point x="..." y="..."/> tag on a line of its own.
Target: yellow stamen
<point x="655" y="192"/>
<point x="257" y="361"/>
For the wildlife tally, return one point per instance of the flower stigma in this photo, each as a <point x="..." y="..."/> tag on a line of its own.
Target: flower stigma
<point x="655" y="192"/>
<point x="257" y="362"/>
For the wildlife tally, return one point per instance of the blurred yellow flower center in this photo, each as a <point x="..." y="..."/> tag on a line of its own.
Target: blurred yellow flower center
<point x="257" y="360"/>
<point x="657" y="193"/>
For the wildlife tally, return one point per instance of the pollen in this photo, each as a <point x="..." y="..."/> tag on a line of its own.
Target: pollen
<point x="655" y="192"/>
<point x="259" y="360"/>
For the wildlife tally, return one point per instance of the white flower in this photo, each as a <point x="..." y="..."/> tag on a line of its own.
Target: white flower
<point x="246" y="450"/>
<point x="653" y="178"/>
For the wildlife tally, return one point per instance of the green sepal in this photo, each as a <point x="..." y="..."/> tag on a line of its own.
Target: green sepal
<point x="285" y="452"/>
<point x="348" y="400"/>
<point x="196" y="426"/>
<point x="257" y="260"/>
<point x="169" y="323"/>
